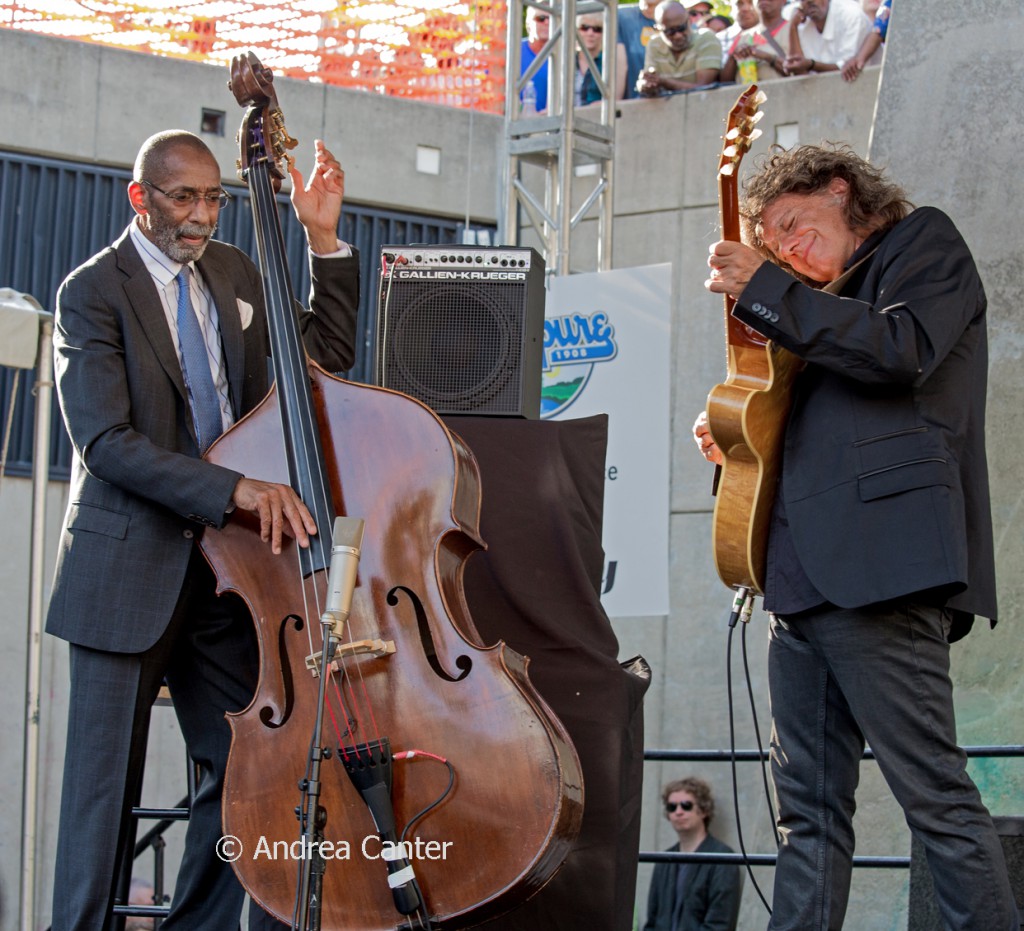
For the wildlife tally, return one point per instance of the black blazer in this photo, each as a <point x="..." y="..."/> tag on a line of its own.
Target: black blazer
<point x="711" y="901"/>
<point x="885" y="479"/>
<point x="139" y="493"/>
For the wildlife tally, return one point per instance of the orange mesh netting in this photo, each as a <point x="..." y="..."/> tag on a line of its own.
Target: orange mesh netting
<point x="432" y="50"/>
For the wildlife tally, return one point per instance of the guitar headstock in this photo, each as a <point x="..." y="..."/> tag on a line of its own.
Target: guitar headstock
<point x="741" y="130"/>
<point x="262" y="136"/>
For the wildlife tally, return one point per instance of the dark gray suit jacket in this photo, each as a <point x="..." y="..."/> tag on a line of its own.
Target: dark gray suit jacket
<point x="140" y="494"/>
<point x="885" y="478"/>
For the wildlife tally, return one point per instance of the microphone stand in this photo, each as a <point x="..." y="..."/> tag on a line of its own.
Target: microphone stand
<point x="348" y="537"/>
<point x="312" y="816"/>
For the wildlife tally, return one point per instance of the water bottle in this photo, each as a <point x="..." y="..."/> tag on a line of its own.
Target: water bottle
<point x="746" y="68"/>
<point x="529" y="100"/>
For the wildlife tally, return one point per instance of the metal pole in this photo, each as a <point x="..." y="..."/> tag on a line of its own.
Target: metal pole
<point x="548" y="144"/>
<point x="33" y="662"/>
<point x="566" y="141"/>
<point x="508" y="226"/>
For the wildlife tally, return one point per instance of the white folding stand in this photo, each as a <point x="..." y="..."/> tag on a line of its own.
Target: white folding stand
<point x="26" y="336"/>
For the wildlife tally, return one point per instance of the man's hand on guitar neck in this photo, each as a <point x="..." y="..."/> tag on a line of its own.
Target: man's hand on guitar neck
<point x="702" y="436"/>
<point x="732" y="266"/>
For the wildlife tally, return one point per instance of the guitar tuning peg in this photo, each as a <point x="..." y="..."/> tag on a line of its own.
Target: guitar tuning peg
<point x="727" y="170"/>
<point x="755" y="134"/>
<point x="756" y="118"/>
<point x="731" y="151"/>
<point x="732" y="133"/>
<point x="760" y="97"/>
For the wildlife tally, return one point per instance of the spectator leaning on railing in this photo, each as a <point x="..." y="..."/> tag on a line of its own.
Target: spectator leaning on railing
<point x="874" y="41"/>
<point x="538" y="28"/>
<point x="766" y="43"/>
<point x="680" y="57"/>
<point x="636" y="28"/>
<point x="590" y="27"/>
<point x="825" y="34"/>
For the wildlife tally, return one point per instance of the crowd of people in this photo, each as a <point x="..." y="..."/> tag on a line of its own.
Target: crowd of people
<point x="667" y="46"/>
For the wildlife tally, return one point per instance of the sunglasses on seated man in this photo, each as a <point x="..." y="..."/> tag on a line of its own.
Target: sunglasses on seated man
<point x="672" y="806"/>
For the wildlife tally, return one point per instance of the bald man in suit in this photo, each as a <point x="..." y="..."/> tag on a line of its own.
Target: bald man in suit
<point x="132" y="593"/>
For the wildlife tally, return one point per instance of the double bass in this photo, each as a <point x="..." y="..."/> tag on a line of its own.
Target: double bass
<point x="446" y="790"/>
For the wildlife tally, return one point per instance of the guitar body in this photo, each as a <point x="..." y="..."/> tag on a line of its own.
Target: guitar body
<point x="747" y="413"/>
<point x="747" y="418"/>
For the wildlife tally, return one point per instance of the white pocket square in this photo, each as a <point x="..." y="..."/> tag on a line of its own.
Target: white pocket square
<point x="245" y="313"/>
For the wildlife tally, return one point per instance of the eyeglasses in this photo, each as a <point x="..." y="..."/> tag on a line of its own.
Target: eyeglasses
<point x="187" y="198"/>
<point x="672" y="806"/>
<point x="586" y="27"/>
<point x="673" y="30"/>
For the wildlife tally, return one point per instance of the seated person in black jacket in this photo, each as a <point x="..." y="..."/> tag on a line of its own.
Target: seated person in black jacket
<point x="693" y="896"/>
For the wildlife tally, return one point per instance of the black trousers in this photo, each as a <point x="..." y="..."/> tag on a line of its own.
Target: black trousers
<point x="881" y="674"/>
<point x="209" y="658"/>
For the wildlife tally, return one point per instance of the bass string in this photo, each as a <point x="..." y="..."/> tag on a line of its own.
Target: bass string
<point x="290" y="339"/>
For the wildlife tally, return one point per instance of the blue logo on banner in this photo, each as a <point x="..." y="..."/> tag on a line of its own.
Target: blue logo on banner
<point x="573" y="345"/>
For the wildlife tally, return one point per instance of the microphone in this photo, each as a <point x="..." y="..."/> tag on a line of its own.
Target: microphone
<point x="341" y="580"/>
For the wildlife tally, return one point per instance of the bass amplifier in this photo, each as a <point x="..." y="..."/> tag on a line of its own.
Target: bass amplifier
<point x="461" y="328"/>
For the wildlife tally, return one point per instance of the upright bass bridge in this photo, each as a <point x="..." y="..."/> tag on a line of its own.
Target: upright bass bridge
<point x="376" y="647"/>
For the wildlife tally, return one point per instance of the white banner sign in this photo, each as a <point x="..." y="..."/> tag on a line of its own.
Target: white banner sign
<point x="606" y="350"/>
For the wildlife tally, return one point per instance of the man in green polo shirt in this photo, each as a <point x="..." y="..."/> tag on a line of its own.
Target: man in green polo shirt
<point x="679" y="57"/>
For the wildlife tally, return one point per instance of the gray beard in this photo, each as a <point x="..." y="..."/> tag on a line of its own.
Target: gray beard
<point x="166" y="239"/>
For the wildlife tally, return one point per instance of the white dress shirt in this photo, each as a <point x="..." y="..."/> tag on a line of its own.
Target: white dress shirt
<point x="846" y="27"/>
<point x="164" y="271"/>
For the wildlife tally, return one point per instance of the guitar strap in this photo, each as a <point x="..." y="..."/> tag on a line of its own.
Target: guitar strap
<point x="766" y="34"/>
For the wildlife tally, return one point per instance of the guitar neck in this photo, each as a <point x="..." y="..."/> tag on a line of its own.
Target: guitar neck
<point x="729" y="207"/>
<point x="740" y="133"/>
<point x="729" y="222"/>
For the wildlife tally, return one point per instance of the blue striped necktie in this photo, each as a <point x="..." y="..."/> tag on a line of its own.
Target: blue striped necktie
<point x="198" y="378"/>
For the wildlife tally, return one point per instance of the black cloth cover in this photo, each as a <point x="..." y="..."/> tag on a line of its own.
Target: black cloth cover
<point x="537" y="588"/>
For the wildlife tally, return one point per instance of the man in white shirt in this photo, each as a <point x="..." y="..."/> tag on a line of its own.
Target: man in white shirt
<point x="824" y="34"/>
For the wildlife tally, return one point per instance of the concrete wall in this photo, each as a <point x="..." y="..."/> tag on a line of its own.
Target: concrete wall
<point x="945" y="122"/>
<point x="83" y="101"/>
<point x="70" y="99"/>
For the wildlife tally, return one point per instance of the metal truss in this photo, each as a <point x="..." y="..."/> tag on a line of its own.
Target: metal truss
<point x="545" y="152"/>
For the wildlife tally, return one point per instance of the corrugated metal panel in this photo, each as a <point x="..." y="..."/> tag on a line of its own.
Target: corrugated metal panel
<point x="55" y="214"/>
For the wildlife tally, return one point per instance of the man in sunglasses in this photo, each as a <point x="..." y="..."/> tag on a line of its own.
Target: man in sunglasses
<point x="538" y="30"/>
<point x="590" y="27"/>
<point x="680" y="57"/>
<point x="693" y="896"/>
<point x="161" y="345"/>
